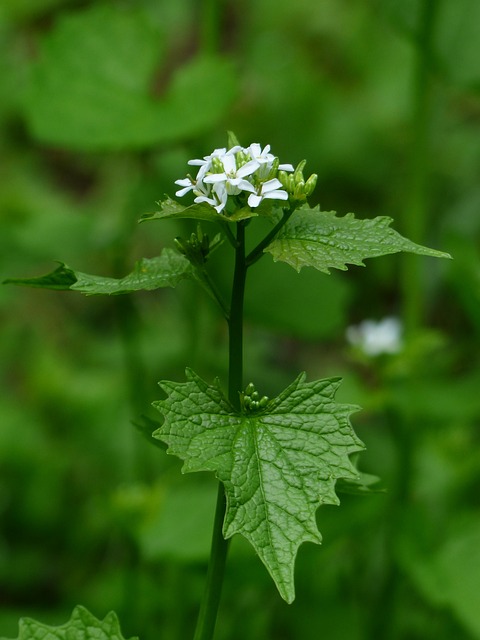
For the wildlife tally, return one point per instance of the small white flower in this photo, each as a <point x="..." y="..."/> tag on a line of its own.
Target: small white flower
<point x="206" y="164"/>
<point x="375" y="338"/>
<point x="216" y="196"/>
<point x="187" y="183"/>
<point x="233" y="178"/>
<point x="269" y="189"/>
<point x="265" y="159"/>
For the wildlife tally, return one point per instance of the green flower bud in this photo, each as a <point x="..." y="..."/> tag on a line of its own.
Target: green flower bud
<point x="247" y="402"/>
<point x="298" y="173"/>
<point x="250" y="389"/>
<point x="283" y="177"/>
<point x="205" y="244"/>
<point x="255" y="395"/>
<point x="194" y="241"/>
<point x="217" y="165"/>
<point x="274" y="169"/>
<point x="311" y="184"/>
<point x="181" y="246"/>
<point x="299" y="191"/>
<point x="264" y="400"/>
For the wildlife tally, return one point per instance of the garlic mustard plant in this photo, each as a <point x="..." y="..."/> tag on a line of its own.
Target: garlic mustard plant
<point x="277" y="459"/>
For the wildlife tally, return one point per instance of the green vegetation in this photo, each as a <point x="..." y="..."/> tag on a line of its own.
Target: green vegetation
<point x="102" y="105"/>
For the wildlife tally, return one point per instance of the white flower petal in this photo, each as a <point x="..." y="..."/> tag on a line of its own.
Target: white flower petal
<point x="270" y="185"/>
<point x="254" y="200"/>
<point x="247" y="169"/>
<point x="215" y="177"/>
<point x="276" y="195"/>
<point x="243" y="185"/>
<point x="229" y="164"/>
<point x="184" y="182"/>
<point x="182" y="192"/>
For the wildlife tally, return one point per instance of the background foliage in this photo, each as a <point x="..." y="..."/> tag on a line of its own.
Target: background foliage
<point x="101" y="105"/>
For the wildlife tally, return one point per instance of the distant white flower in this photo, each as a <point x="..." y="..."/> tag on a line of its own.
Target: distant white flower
<point x="269" y="189"/>
<point x="375" y="338"/>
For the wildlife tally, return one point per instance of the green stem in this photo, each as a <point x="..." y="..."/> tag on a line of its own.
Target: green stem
<point x="216" y="569"/>
<point x="235" y="352"/>
<point x="257" y="253"/>
<point x="219" y="549"/>
<point x="416" y="212"/>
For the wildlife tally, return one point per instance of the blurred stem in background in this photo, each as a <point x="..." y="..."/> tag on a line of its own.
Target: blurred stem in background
<point x="417" y="207"/>
<point x="210" y="21"/>
<point x="404" y="428"/>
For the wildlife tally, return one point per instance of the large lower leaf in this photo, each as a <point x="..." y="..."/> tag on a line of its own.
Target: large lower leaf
<point x="277" y="465"/>
<point x="165" y="270"/>
<point x="314" y="238"/>
<point x="81" y="626"/>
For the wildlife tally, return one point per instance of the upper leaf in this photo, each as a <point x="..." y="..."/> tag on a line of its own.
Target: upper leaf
<point x="314" y="238"/>
<point x="278" y="465"/>
<point x="172" y="209"/>
<point x="81" y="626"/>
<point x="165" y="270"/>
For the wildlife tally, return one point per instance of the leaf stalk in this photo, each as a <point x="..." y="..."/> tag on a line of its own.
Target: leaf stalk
<point x="257" y="253"/>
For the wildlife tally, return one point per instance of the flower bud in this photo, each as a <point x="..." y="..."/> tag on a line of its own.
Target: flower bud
<point x="205" y="244"/>
<point x="298" y="173"/>
<point x="180" y="244"/>
<point x="273" y="170"/>
<point x="283" y="177"/>
<point x="299" y="191"/>
<point x="194" y="241"/>
<point x="241" y="158"/>
<point x="250" y="389"/>
<point x="310" y="184"/>
<point x="217" y="165"/>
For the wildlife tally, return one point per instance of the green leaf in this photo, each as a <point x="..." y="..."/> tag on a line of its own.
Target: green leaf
<point x="165" y="270"/>
<point x="277" y="465"/>
<point x="319" y="239"/>
<point x="61" y="279"/>
<point x="81" y="626"/>
<point x="93" y="85"/>
<point x="172" y="209"/>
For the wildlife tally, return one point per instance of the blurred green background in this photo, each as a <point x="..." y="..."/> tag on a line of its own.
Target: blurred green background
<point x="101" y="105"/>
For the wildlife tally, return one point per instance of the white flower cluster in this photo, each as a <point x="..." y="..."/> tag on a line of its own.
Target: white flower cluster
<point x="240" y="169"/>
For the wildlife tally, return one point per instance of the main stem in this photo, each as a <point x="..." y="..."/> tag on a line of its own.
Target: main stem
<point x="219" y="549"/>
